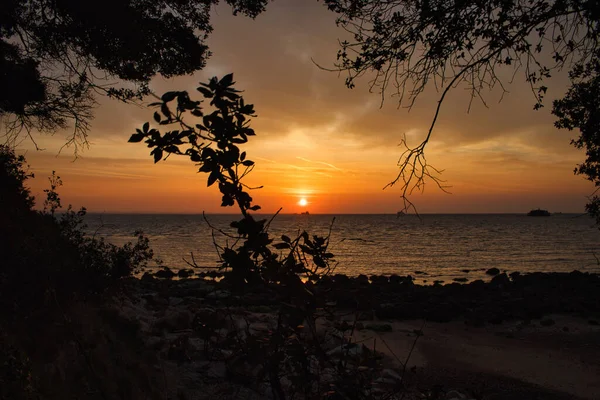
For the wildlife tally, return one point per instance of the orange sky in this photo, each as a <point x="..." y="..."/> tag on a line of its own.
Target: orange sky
<point x="318" y="140"/>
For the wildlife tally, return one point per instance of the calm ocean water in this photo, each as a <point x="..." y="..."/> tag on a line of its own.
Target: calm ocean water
<point x="439" y="245"/>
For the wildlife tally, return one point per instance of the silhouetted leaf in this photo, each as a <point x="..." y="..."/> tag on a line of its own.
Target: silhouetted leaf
<point x="158" y="153"/>
<point x="165" y="110"/>
<point x="146" y="127"/>
<point x="206" y="92"/>
<point x="286" y="238"/>
<point x="227" y="80"/>
<point x="212" y="178"/>
<point x="255" y="208"/>
<point x="169" y="96"/>
<point x="157" y="117"/>
<point x="248" y="163"/>
<point x="136" y="137"/>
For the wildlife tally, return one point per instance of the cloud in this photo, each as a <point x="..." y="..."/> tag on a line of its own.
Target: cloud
<point x="314" y="134"/>
<point x="320" y="162"/>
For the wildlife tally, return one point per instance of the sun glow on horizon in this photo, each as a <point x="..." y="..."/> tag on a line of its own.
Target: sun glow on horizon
<point x="302" y="202"/>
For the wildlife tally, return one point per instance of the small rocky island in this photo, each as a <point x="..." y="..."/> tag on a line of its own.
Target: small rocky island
<point x="538" y="213"/>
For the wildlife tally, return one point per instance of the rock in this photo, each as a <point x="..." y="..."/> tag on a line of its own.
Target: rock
<point x="466" y="271"/>
<point x="514" y="275"/>
<point x="179" y="349"/>
<point x="492" y="271"/>
<point x="421" y="273"/>
<point x="219" y="295"/>
<point x="351" y="349"/>
<point x="175" y="301"/>
<point x="367" y="315"/>
<point x="395" y="279"/>
<point x="379" y="279"/>
<point x="388" y="373"/>
<point x="341" y="279"/>
<point x="500" y="281"/>
<point x="477" y="284"/>
<point x="389" y="378"/>
<point x="155" y="342"/>
<point x="362" y="279"/>
<point x="460" y="280"/>
<point x="147" y="277"/>
<point x="216" y="369"/>
<point x="174" y="321"/>
<point x="165" y="273"/>
<point x="185" y="273"/>
<point x="154" y="300"/>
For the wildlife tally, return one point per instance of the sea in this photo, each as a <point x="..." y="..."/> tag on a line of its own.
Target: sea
<point x="429" y="247"/>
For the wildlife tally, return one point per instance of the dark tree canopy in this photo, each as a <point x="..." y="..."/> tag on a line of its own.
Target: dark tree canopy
<point x="408" y="44"/>
<point x="580" y="109"/>
<point x="56" y="54"/>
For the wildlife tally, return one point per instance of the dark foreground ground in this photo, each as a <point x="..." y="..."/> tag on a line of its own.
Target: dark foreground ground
<point x="533" y="336"/>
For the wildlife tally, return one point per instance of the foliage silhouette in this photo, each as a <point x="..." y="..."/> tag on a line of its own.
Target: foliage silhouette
<point x="213" y="146"/>
<point x="290" y="358"/>
<point x="580" y="109"/>
<point x="47" y="255"/>
<point x="55" y="56"/>
<point x="409" y="44"/>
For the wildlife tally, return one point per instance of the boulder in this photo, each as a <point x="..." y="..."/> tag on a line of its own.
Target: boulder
<point x="500" y="281"/>
<point x="165" y="273"/>
<point x="379" y="279"/>
<point x="185" y="273"/>
<point x="492" y="271"/>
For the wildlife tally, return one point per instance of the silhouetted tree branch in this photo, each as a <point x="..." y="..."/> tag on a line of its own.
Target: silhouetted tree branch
<point x="56" y="56"/>
<point x="410" y="44"/>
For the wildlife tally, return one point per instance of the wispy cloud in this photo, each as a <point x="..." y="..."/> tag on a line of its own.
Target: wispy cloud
<point x="320" y="162"/>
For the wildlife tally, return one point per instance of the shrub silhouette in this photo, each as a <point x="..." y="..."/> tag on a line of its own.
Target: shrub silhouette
<point x="47" y="257"/>
<point x="289" y="359"/>
<point x="213" y="146"/>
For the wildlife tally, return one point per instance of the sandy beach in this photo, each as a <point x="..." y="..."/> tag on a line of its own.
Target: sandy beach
<point x="512" y="360"/>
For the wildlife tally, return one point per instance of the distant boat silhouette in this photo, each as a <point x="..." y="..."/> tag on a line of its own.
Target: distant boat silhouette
<point x="305" y="213"/>
<point x="538" y="213"/>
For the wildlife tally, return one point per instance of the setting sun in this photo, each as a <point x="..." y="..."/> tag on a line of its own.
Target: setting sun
<point x="302" y="202"/>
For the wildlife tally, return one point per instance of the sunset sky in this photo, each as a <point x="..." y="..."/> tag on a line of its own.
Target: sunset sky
<point x="319" y="141"/>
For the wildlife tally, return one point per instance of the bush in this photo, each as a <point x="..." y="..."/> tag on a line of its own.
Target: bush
<point x="292" y="359"/>
<point x="47" y="257"/>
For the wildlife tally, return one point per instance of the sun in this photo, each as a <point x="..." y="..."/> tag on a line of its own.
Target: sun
<point x="302" y="202"/>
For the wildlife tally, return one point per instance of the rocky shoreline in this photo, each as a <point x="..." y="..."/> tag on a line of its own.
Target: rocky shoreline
<point x="503" y="297"/>
<point x="172" y="315"/>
